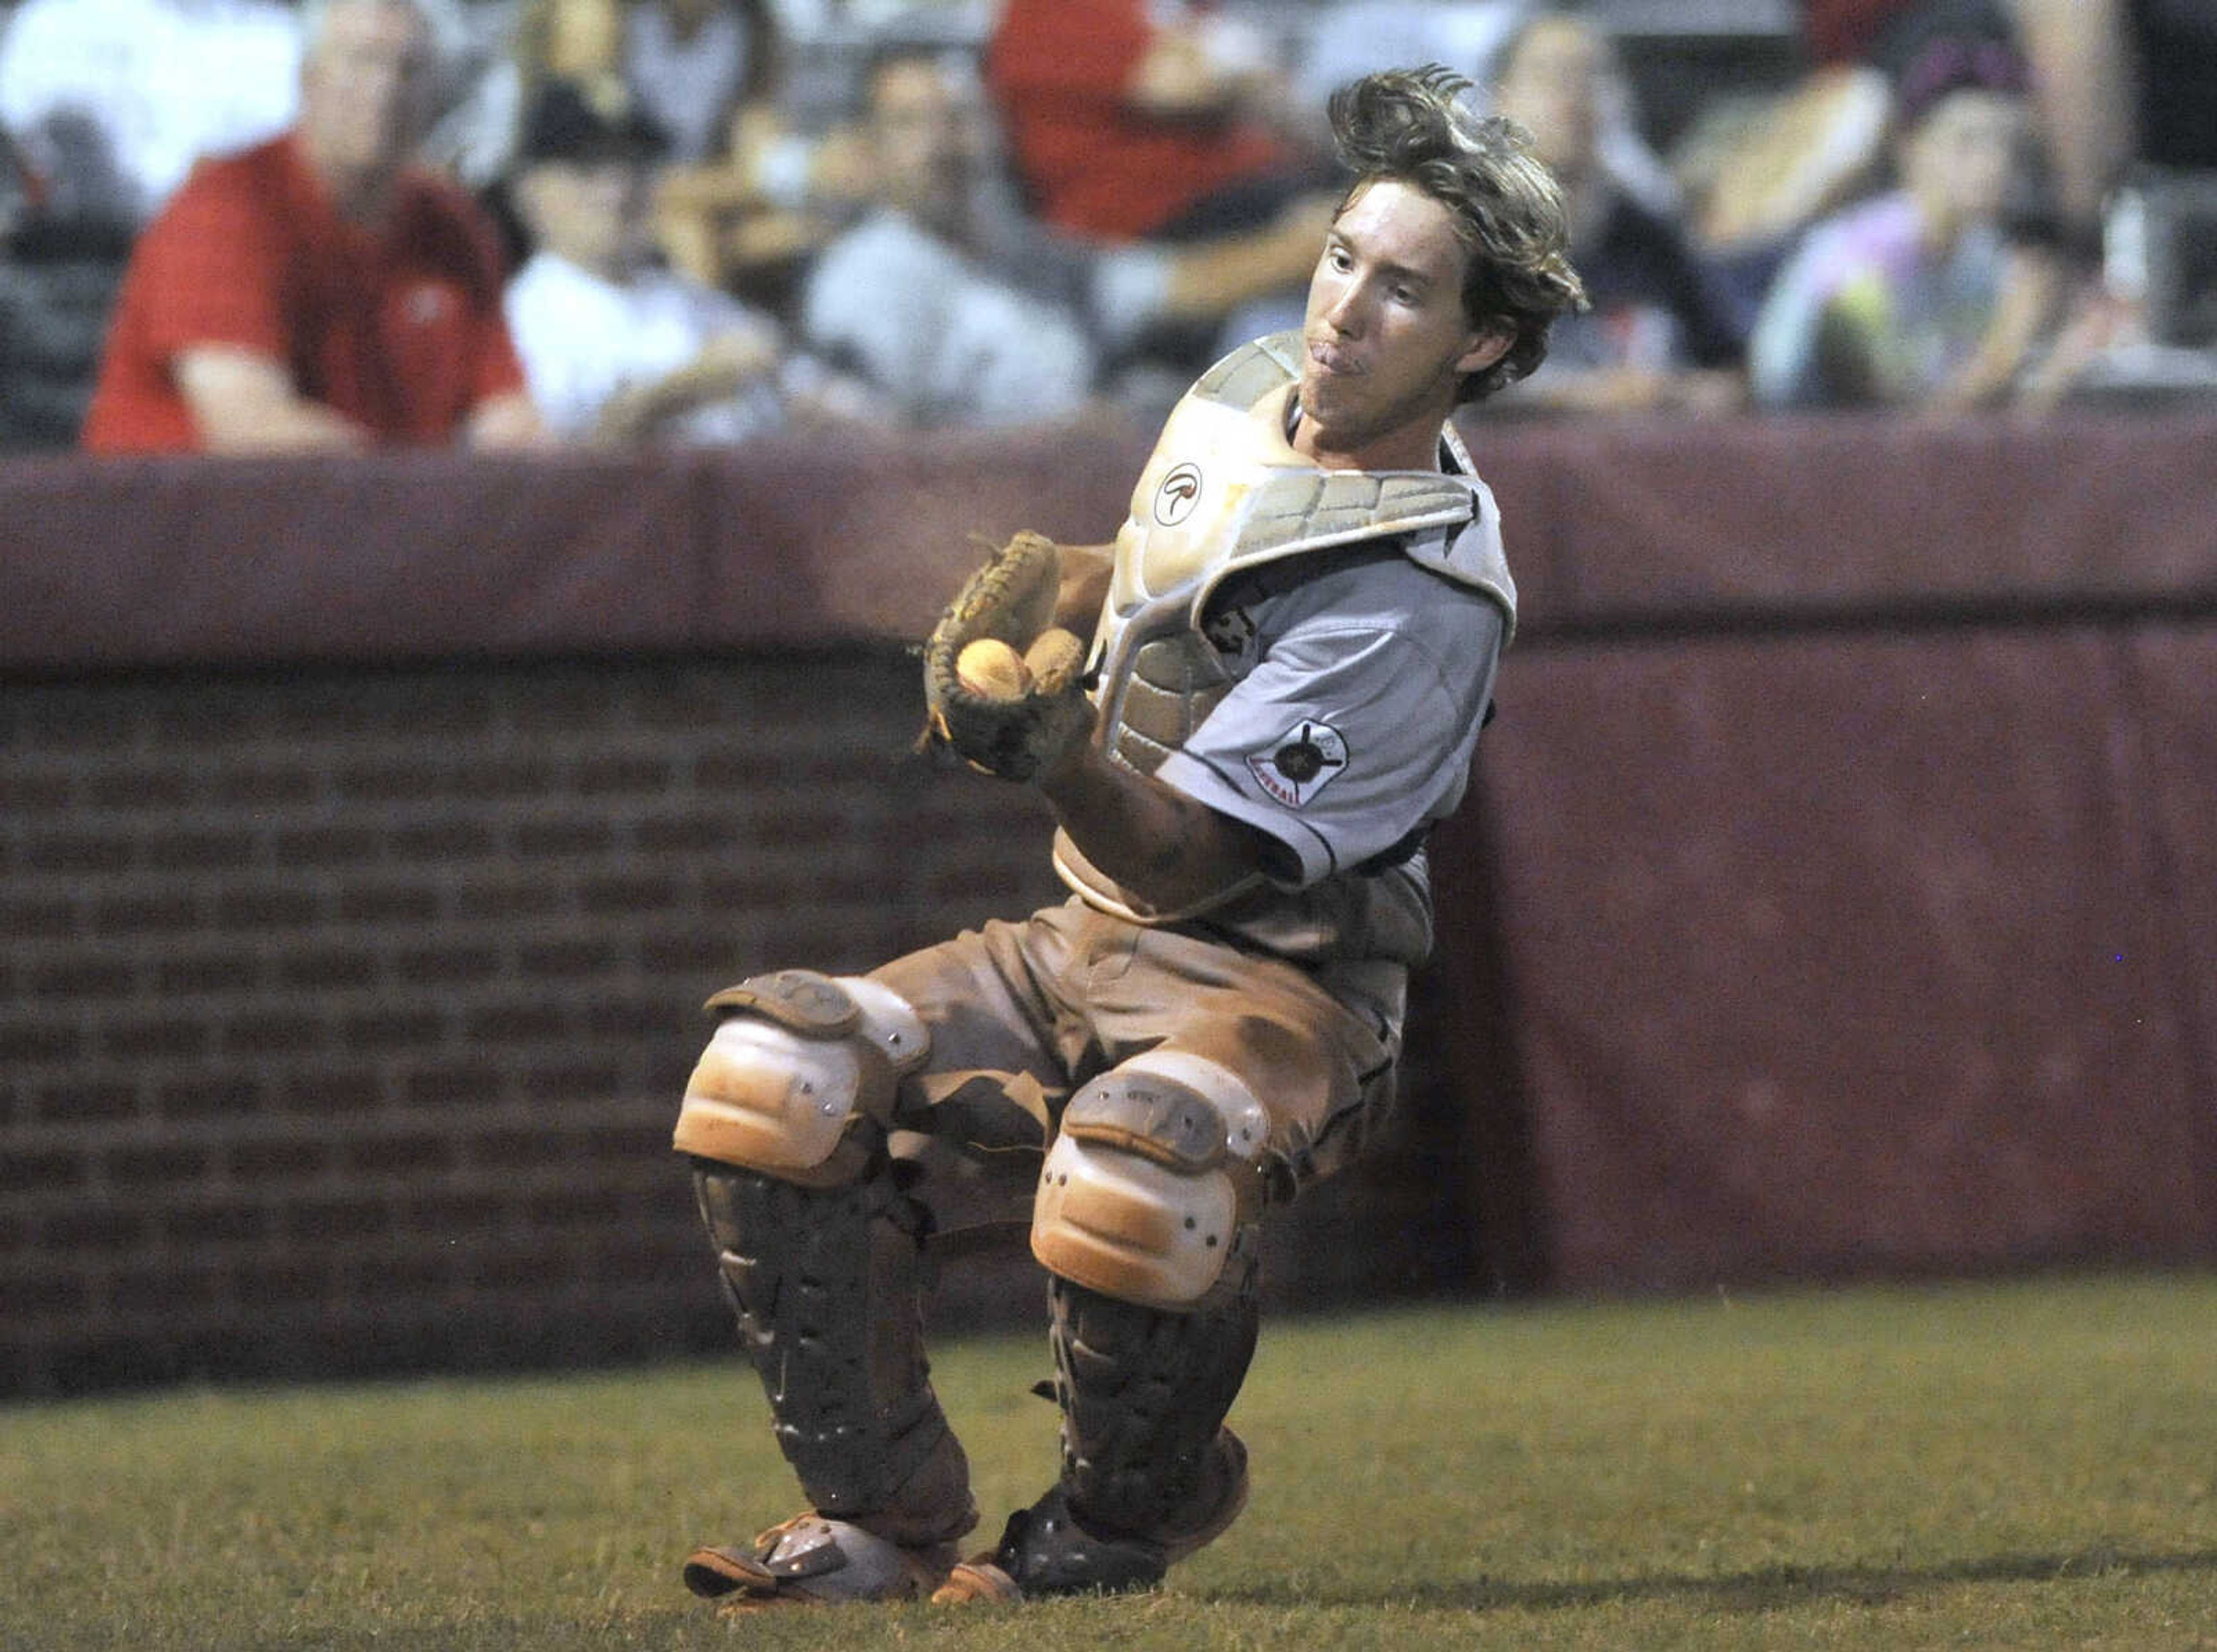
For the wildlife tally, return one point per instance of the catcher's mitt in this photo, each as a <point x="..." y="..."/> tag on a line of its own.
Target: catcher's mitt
<point x="1004" y="716"/>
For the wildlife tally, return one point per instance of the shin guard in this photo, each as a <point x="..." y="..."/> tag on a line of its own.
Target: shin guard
<point x="1149" y="1471"/>
<point x="824" y="1281"/>
<point x="1144" y="1393"/>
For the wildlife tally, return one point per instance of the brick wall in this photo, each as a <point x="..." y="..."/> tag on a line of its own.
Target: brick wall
<point x="343" y="1013"/>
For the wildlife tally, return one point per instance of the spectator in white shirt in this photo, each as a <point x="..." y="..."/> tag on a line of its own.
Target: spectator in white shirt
<point x="617" y="348"/>
<point x="957" y="308"/>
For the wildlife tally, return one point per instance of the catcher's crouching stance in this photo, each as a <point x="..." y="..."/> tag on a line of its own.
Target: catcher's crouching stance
<point x="1293" y="649"/>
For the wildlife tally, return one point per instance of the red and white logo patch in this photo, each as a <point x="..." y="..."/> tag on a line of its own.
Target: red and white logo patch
<point x="1176" y="494"/>
<point x="1301" y="763"/>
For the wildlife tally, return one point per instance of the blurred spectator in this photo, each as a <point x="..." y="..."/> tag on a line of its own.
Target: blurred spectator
<point x="1758" y="172"/>
<point x="1663" y="332"/>
<point x="1148" y="119"/>
<point x="579" y="41"/>
<point x="696" y="64"/>
<point x="1342" y="41"/>
<point x="1918" y="297"/>
<point x="319" y="290"/>
<point x="1159" y="121"/>
<point x="751" y="197"/>
<point x="959" y="308"/>
<point x="112" y="101"/>
<point x="695" y="67"/>
<point x="2078" y="82"/>
<point x="61" y="260"/>
<point x="917" y="298"/>
<point x="616" y="348"/>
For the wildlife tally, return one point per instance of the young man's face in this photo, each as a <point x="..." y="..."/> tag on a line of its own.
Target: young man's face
<point x="1387" y="339"/>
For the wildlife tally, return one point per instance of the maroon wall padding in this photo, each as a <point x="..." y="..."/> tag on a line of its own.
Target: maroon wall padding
<point x="1854" y="516"/>
<point x="185" y="561"/>
<point x="801" y="540"/>
<point x="404" y="556"/>
<point x="1841" y="954"/>
<point x="877" y="534"/>
<point x="1474" y="1021"/>
<point x="2170" y="674"/>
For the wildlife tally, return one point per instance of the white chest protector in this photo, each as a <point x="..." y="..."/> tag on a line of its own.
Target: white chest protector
<point x="1223" y="494"/>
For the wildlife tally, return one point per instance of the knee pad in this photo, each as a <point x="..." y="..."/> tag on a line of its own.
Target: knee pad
<point x="798" y="1081"/>
<point x="1152" y="1189"/>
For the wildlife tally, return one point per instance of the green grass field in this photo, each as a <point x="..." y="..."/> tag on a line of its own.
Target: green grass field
<point x="2021" y="1465"/>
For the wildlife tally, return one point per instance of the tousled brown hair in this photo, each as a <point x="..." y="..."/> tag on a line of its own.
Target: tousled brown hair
<point x="1410" y="125"/>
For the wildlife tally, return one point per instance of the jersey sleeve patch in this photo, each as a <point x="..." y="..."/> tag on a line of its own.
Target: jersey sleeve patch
<point x="1300" y="763"/>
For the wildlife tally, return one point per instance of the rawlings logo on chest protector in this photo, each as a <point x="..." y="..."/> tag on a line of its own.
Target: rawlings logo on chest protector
<point x="1175" y="494"/>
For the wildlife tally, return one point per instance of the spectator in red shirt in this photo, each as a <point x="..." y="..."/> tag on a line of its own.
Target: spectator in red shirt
<point x="320" y="291"/>
<point x="1133" y="121"/>
<point x="1162" y="121"/>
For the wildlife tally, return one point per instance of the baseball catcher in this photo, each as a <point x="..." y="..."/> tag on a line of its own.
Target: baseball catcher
<point x="1287" y="654"/>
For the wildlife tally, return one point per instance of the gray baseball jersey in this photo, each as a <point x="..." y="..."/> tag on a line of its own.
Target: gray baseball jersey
<point x="1355" y="706"/>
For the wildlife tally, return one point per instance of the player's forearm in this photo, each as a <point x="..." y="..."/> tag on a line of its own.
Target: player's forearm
<point x="2032" y="292"/>
<point x="1165" y="846"/>
<point x="726" y="365"/>
<point x="1176" y="77"/>
<point x="630" y="415"/>
<point x="1215" y="67"/>
<point x="633" y="414"/>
